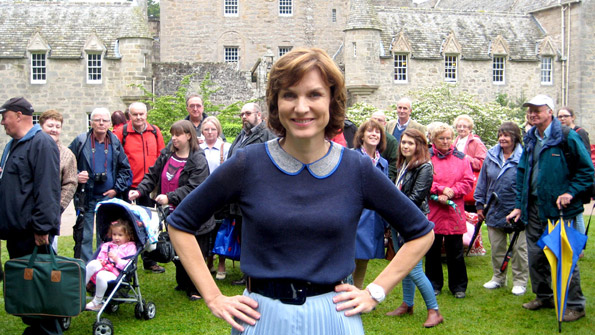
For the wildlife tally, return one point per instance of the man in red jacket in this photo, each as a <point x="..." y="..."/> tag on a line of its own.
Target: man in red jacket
<point x="142" y="143"/>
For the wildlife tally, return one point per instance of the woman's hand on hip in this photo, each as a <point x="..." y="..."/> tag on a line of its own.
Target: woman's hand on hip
<point x="241" y="307"/>
<point x="353" y="300"/>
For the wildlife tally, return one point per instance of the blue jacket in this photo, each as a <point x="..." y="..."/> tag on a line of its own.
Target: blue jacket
<point x="30" y="186"/>
<point x="499" y="177"/>
<point x="122" y="174"/>
<point x="555" y="176"/>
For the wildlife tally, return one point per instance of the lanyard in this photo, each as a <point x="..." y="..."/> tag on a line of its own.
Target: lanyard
<point x="105" y="150"/>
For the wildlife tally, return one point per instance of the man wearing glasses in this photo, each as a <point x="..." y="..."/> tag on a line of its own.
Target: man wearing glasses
<point x="254" y="130"/>
<point x="103" y="172"/>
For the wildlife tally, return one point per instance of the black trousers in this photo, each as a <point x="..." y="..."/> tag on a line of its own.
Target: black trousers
<point x="21" y="246"/>
<point x="455" y="262"/>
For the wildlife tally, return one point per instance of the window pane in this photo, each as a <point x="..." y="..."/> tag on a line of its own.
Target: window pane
<point x="450" y="68"/>
<point x="400" y="67"/>
<point x="94" y="67"/>
<point x="38" y="68"/>
<point x="285" y="7"/>
<point x="546" y="70"/>
<point x="284" y="50"/>
<point x="230" y="7"/>
<point x="498" y="69"/>
<point x="231" y="55"/>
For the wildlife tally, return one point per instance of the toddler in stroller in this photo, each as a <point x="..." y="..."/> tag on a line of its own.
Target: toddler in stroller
<point x="119" y="253"/>
<point x="113" y="256"/>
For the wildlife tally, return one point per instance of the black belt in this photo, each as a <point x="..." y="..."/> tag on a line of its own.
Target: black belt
<point x="288" y="291"/>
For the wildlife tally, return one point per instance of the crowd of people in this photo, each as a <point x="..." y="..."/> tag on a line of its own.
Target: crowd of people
<point x="280" y="173"/>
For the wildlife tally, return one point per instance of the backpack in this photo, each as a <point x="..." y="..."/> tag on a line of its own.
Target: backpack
<point x="585" y="196"/>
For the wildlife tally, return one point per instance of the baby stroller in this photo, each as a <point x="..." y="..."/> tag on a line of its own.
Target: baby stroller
<point x="126" y="288"/>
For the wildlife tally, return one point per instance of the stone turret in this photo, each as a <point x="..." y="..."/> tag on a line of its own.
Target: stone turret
<point x="362" y="49"/>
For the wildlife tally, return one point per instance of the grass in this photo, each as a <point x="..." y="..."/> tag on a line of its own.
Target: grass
<point x="482" y="312"/>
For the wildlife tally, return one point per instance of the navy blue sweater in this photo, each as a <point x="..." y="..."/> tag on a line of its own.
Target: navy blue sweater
<point x="298" y="225"/>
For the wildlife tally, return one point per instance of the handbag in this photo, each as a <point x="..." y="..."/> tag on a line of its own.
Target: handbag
<point x="164" y="250"/>
<point x="227" y="242"/>
<point x="44" y="285"/>
<point x="468" y="199"/>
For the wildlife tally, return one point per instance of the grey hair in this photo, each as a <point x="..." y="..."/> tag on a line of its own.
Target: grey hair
<point x="101" y="110"/>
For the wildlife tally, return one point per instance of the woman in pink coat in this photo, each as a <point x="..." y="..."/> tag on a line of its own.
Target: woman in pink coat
<point x="453" y="179"/>
<point x="473" y="148"/>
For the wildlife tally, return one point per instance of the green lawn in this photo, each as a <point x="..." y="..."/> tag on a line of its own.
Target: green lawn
<point x="482" y="312"/>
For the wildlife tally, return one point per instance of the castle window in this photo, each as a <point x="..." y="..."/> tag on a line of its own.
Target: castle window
<point x="36" y="118"/>
<point x="285" y="7"/>
<point x="334" y="15"/>
<point x="284" y="50"/>
<point x="38" y="68"/>
<point x="400" y="68"/>
<point x="450" y="68"/>
<point x="231" y="55"/>
<point x="230" y="7"/>
<point x="546" y="70"/>
<point x="498" y="69"/>
<point x="94" y="68"/>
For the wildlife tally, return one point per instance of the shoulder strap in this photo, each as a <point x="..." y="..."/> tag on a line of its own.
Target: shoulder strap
<point x="125" y="133"/>
<point x="221" y="153"/>
<point x="81" y="139"/>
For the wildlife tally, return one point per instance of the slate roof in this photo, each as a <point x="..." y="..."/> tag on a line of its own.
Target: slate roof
<point x="362" y="15"/>
<point x="67" y="26"/>
<point x="427" y="30"/>
<point x="512" y="6"/>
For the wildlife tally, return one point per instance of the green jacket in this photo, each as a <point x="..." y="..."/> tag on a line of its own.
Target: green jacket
<point x="556" y="175"/>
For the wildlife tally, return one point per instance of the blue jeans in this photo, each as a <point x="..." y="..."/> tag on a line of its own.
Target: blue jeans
<point x="418" y="278"/>
<point x="87" y="245"/>
<point x="579" y="223"/>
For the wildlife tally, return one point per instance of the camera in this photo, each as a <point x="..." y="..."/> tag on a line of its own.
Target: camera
<point x="100" y="177"/>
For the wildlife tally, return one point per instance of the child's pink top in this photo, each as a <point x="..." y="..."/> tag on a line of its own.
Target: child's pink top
<point x="124" y="250"/>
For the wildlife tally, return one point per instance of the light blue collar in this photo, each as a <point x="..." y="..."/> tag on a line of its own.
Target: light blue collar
<point x="320" y="169"/>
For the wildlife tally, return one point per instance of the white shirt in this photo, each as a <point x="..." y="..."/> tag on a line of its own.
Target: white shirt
<point x="214" y="154"/>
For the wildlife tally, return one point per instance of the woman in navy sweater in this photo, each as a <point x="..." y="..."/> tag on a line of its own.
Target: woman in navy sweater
<point x="301" y="197"/>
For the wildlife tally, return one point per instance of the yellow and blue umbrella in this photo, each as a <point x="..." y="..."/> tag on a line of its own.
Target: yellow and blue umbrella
<point x="562" y="245"/>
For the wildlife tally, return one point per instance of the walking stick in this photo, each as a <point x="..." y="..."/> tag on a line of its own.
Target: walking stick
<point x="491" y="200"/>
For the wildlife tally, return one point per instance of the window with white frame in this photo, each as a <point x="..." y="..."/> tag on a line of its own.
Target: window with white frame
<point x="94" y="62"/>
<point x="400" y="68"/>
<point x="498" y="69"/>
<point x="36" y="118"/>
<point x="284" y="50"/>
<point x="38" y="68"/>
<point x="334" y="15"/>
<point x="286" y="7"/>
<point x="450" y="68"/>
<point x="546" y="70"/>
<point x="231" y="55"/>
<point x="230" y="7"/>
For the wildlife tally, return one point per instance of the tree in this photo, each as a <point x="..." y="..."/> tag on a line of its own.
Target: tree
<point x="443" y="104"/>
<point x="167" y="109"/>
<point x="153" y="9"/>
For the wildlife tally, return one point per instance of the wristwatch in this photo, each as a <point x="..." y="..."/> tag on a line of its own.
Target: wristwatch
<point x="376" y="292"/>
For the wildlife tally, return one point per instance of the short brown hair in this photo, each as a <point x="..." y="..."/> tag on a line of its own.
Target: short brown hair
<point x="358" y="139"/>
<point x="421" y="154"/>
<point x="511" y="129"/>
<point x="290" y="69"/>
<point x="50" y="114"/>
<point x="185" y="127"/>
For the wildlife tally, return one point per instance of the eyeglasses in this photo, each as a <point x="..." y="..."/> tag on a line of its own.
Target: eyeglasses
<point x="564" y="116"/>
<point x="246" y="113"/>
<point x="444" y="139"/>
<point x="194" y="106"/>
<point x="101" y="120"/>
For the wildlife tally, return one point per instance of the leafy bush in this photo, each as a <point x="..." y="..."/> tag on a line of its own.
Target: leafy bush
<point x="167" y="109"/>
<point x="443" y="104"/>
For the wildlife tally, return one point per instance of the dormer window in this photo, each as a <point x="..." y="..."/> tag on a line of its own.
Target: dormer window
<point x="94" y="64"/>
<point x="450" y="68"/>
<point x="546" y="70"/>
<point x="38" y="67"/>
<point x="498" y="69"/>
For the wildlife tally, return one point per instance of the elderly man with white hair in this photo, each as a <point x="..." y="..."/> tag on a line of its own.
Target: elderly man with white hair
<point x="103" y="173"/>
<point x="404" y="121"/>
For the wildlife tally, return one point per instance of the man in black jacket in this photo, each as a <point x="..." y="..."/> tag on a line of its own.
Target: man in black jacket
<point x="29" y="192"/>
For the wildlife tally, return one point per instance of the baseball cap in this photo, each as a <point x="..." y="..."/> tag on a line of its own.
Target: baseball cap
<point x="17" y="105"/>
<point x="540" y="100"/>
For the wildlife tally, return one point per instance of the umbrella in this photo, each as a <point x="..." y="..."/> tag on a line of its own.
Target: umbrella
<point x="77" y="229"/>
<point x="493" y="198"/>
<point x="561" y="244"/>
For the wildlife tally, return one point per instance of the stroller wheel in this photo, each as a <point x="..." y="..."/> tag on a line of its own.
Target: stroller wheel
<point x="103" y="327"/>
<point x="149" y="310"/>
<point x="139" y="309"/>
<point x="65" y="323"/>
<point x="112" y="308"/>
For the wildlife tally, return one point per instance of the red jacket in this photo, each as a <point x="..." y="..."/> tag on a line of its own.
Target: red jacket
<point x="142" y="149"/>
<point x="452" y="170"/>
<point x="476" y="150"/>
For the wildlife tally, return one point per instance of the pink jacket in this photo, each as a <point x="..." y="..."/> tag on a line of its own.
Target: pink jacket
<point x="476" y="150"/>
<point x="124" y="250"/>
<point x="454" y="171"/>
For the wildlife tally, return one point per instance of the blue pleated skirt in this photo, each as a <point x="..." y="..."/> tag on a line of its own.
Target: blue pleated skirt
<point x="317" y="316"/>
